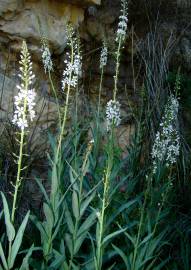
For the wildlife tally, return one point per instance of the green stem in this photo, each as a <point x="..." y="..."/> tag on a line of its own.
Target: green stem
<point x="55" y="184"/>
<point x="18" y="180"/>
<point x="76" y="228"/>
<point x="63" y="124"/>
<point x="162" y="203"/>
<point x="100" y="90"/>
<point x="19" y="168"/>
<point x="117" y="69"/>
<point x="140" y="226"/>
<point x="76" y="129"/>
<point x="56" y="97"/>
<point x="66" y="106"/>
<point x="79" y="206"/>
<point x="101" y="219"/>
<point x="55" y="181"/>
<point x="138" y="236"/>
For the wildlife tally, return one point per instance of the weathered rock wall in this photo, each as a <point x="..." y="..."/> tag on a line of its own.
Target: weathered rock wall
<point x="30" y="19"/>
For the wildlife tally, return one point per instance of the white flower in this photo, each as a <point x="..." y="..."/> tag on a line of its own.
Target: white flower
<point x="24" y="101"/>
<point x="103" y="57"/>
<point x="46" y="59"/>
<point x="167" y="142"/>
<point x="73" y="68"/>
<point x="113" y="114"/>
<point x="123" y="20"/>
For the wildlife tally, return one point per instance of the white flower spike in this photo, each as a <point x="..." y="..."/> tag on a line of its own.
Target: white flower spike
<point x="73" y="63"/>
<point x="167" y="142"/>
<point x="46" y="59"/>
<point x="113" y="114"/>
<point x="103" y="57"/>
<point x="24" y="102"/>
<point x="123" y="20"/>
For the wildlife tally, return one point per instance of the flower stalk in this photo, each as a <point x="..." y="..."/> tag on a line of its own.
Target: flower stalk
<point x="48" y="68"/>
<point x="113" y="106"/>
<point x="101" y="220"/>
<point x="167" y="142"/>
<point x="70" y="79"/>
<point x="121" y="35"/>
<point x="80" y="201"/>
<point x="24" y="109"/>
<point x="103" y="63"/>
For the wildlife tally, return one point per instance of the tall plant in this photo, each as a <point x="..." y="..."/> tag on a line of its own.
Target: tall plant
<point x="24" y="112"/>
<point x="70" y="79"/>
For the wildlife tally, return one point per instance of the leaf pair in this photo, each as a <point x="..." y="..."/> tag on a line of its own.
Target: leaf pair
<point x="15" y="240"/>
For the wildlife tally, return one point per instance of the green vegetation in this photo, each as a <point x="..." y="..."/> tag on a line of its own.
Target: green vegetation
<point x="103" y="208"/>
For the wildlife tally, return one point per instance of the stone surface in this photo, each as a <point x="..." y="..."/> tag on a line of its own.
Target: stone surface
<point x="31" y="19"/>
<point x="45" y="106"/>
<point x="96" y="20"/>
<point x="83" y="2"/>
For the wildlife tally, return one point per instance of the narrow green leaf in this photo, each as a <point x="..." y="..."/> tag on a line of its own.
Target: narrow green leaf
<point x="65" y="266"/>
<point x="69" y="220"/>
<point x="40" y="227"/>
<point x="72" y="178"/>
<point x="9" y="226"/>
<point x="58" y="261"/>
<point x="75" y="267"/>
<point x="54" y="182"/>
<point x="85" y="203"/>
<point x="112" y="235"/>
<point x="58" y="226"/>
<point x="97" y="231"/>
<point x="146" y="239"/>
<point x="122" y="255"/>
<point x="112" y="266"/>
<point x="62" y="248"/>
<point x="120" y="210"/>
<point x="157" y="242"/>
<point x="2" y="255"/>
<point x="18" y="240"/>
<point x="133" y="240"/>
<point x="52" y="141"/>
<point x="25" y="264"/>
<point x="42" y="190"/>
<point x="75" y="204"/>
<point x="68" y="240"/>
<point x="79" y="242"/>
<point x="161" y="265"/>
<point x="49" y="216"/>
<point x="89" y="221"/>
<point x="143" y="262"/>
<point x="93" y="261"/>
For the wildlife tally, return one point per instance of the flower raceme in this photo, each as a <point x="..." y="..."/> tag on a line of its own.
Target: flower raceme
<point x="71" y="73"/>
<point x="24" y="101"/>
<point x="123" y="20"/>
<point x="46" y="59"/>
<point x="103" y="57"/>
<point x="113" y="114"/>
<point x="167" y="142"/>
<point x="73" y="63"/>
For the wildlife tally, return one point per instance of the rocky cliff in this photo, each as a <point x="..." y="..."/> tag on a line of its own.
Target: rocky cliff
<point x="168" y="22"/>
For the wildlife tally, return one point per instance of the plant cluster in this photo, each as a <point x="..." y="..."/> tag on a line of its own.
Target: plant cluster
<point x="101" y="210"/>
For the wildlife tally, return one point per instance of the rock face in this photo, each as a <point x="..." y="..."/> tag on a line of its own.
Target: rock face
<point x="30" y="19"/>
<point x="83" y="3"/>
